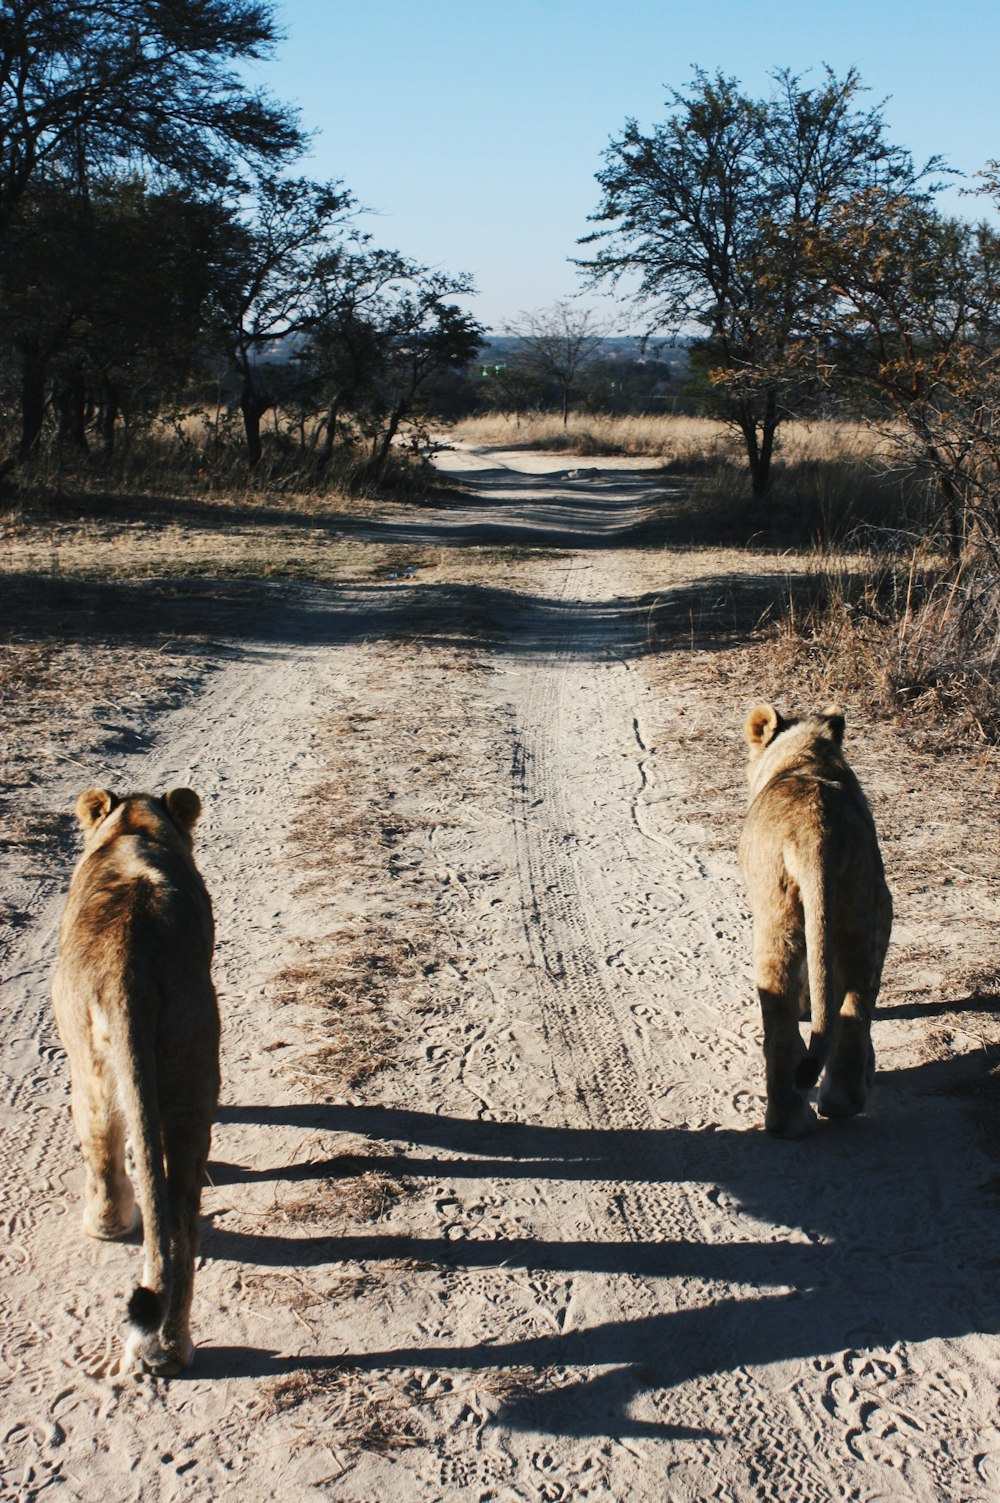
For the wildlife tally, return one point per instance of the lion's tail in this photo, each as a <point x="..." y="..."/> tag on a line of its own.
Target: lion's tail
<point x="818" y="907"/>
<point x="137" y="1083"/>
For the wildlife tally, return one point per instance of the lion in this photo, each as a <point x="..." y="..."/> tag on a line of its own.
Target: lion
<point x="822" y="913"/>
<point x="138" y="1017"/>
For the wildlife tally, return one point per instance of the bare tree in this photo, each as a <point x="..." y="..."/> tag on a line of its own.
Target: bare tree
<point x="555" y="345"/>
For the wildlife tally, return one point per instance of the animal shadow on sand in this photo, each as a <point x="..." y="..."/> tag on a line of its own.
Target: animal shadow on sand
<point x="874" y="1231"/>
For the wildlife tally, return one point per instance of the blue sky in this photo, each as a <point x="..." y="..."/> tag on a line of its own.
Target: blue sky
<point x="475" y="130"/>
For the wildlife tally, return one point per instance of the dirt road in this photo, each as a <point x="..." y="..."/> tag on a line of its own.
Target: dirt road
<point x="473" y="830"/>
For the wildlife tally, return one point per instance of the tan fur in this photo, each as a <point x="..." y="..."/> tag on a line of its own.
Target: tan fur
<point x="137" y="1014"/>
<point x="821" y="914"/>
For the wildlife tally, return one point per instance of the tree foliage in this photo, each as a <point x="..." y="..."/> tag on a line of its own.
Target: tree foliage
<point x="915" y="321"/>
<point x="282" y="233"/>
<point x="381" y="327"/>
<point x="107" y="299"/>
<point x="89" y="86"/>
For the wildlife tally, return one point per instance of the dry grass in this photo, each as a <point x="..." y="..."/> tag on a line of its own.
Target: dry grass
<point x="342" y="1199"/>
<point x="215" y="543"/>
<point x="685" y="443"/>
<point x="346" y="984"/>
<point x="360" y="1410"/>
<point x="903" y="636"/>
<point x="358" y="1414"/>
<point x="201" y="452"/>
<point x="357" y="847"/>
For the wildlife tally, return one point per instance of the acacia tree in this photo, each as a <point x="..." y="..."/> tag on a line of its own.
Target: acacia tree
<point x="708" y="223"/>
<point x="105" y="304"/>
<point x="91" y="92"/>
<point x="87" y="85"/>
<point x="555" y="345"/>
<point x="345" y="354"/>
<point x="277" y="250"/>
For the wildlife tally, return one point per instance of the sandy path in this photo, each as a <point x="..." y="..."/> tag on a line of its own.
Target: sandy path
<point x="601" y="1280"/>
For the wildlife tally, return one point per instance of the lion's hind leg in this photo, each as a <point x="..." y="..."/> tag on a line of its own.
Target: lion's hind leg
<point x="849" y="1072"/>
<point x="778" y="973"/>
<point x="788" y="1114"/>
<point x="187" y="1147"/>
<point x="109" y="1208"/>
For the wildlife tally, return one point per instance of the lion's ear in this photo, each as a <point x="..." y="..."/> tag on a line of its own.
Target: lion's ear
<point x="94" y="805"/>
<point x="763" y="724"/>
<point x="184" y="807"/>
<point x="834" y="717"/>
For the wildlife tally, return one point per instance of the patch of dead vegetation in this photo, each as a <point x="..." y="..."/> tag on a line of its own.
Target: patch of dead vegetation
<point x="214" y="542"/>
<point x="345" y="984"/>
<point x="338" y="1200"/>
<point x="362" y="1414"/>
<point x="359" y="844"/>
<point x="678" y="440"/>
<point x="358" y="1409"/>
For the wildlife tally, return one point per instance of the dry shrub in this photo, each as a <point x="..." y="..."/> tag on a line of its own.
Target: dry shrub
<point x="908" y="636"/>
<point x="822" y="503"/>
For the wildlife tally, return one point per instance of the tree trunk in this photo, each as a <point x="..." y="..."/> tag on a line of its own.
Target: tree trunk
<point x="33" y="371"/>
<point x="108" y="419"/>
<point x="760" y="445"/>
<point x="330" y="430"/>
<point x="380" y="456"/>
<point x="951" y="505"/>
<point x="71" y="405"/>
<point x="253" y="405"/>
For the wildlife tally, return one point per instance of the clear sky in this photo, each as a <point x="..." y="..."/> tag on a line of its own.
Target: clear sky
<point x="474" y="130"/>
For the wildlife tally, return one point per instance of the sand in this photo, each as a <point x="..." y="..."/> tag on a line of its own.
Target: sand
<point x="477" y="833"/>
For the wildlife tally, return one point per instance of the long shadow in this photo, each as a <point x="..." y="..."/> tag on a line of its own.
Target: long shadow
<point x="985" y="1004"/>
<point x="220" y="618"/>
<point x="854" y="1263"/>
<point x="499" y="507"/>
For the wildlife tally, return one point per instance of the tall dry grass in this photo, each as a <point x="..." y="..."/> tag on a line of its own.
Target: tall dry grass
<point x="907" y="634"/>
<point x="690" y="443"/>
<point x="202" y="453"/>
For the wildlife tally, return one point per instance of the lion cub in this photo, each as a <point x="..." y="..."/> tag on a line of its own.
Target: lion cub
<point x="821" y="914"/>
<point x="137" y="1014"/>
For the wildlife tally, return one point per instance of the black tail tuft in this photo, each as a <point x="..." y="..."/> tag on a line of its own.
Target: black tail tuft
<point x="807" y="1072"/>
<point x="145" y="1309"/>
